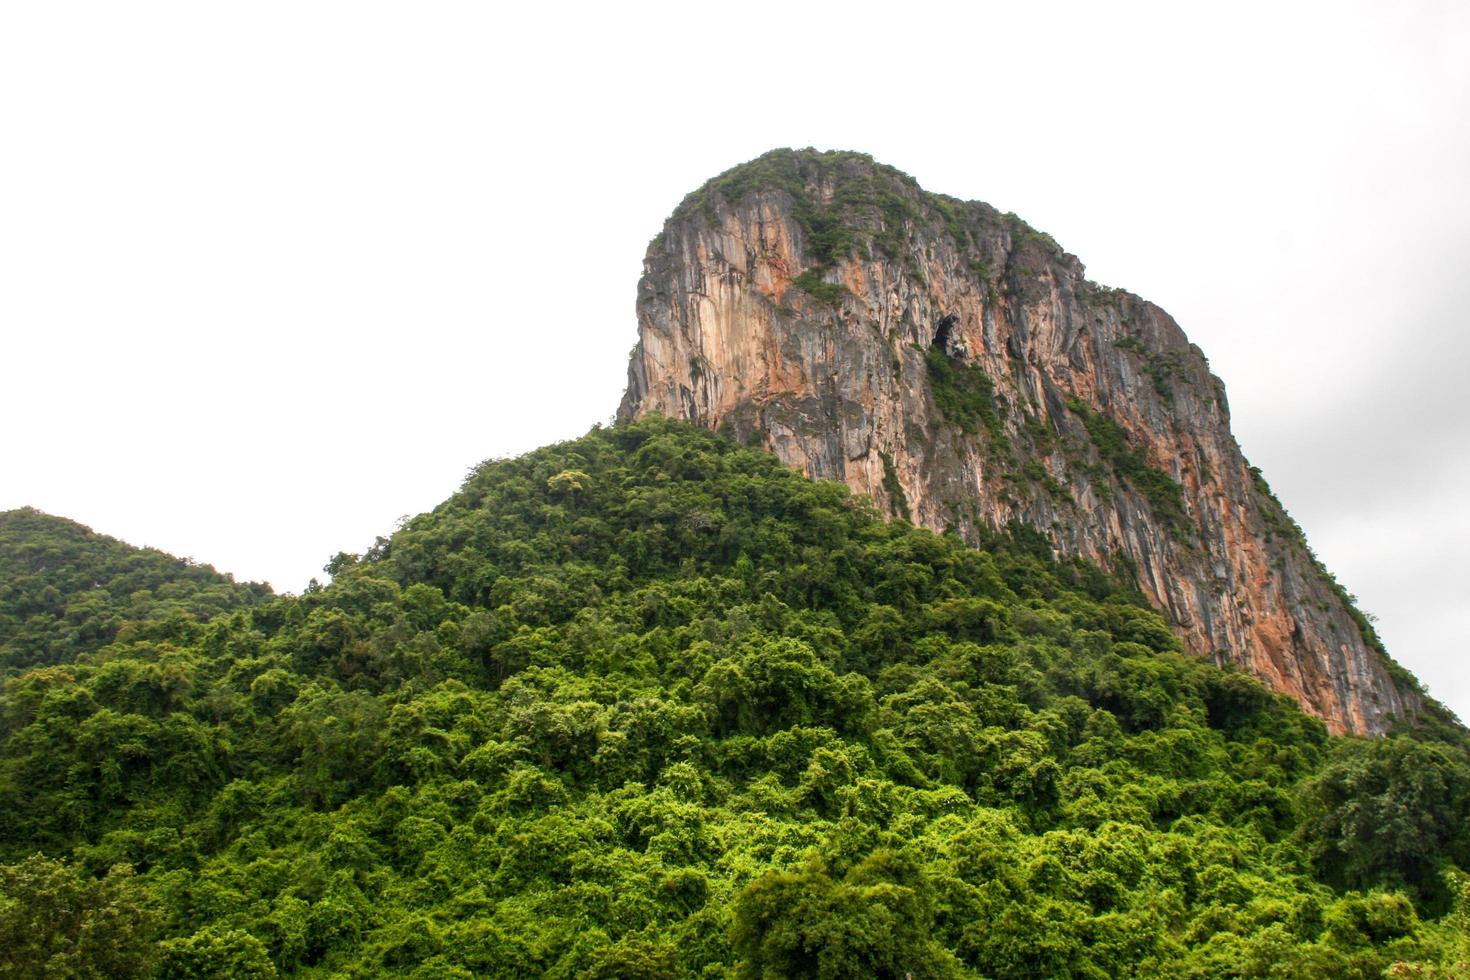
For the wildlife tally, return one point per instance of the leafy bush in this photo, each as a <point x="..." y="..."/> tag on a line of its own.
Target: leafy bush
<point x="964" y="393"/>
<point x="825" y="293"/>
<point x="898" y="501"/>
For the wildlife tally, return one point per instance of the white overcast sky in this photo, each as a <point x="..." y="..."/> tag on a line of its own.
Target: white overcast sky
<point x="273" y="275"/>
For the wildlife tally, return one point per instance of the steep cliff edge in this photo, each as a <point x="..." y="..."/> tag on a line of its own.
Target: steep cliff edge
<point x="956" y="366"/>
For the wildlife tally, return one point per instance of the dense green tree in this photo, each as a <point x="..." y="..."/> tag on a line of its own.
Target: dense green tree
<point x="1390" y="811"/>
<point x="58" y="922"/>
<point x="873" y="922"/>
<point x="213" y="953"/>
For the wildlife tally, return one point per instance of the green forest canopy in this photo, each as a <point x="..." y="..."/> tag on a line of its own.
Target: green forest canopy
<point x="646" y="704"/>
<point x="65" y="589"/>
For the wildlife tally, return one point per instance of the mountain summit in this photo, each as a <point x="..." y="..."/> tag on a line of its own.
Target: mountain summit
<point x="648" y="703"/>
<point x="957" y="366"/>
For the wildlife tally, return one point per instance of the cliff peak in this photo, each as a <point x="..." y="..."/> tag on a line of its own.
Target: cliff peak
<point x="955" y="365"/>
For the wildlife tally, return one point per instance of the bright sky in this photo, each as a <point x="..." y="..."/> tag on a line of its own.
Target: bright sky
<point x="274" y="274"/>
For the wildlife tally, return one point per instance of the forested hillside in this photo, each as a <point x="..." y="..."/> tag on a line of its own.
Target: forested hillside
<point x="65" y="589"/>
<point x="646" y="704"/>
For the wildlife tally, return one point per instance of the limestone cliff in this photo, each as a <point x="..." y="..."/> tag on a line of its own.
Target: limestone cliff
<point x="956" y="366"/>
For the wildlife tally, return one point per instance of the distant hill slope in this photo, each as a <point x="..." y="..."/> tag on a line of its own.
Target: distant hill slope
<point x="957" y="366"/>
<point x="65" y="589"/>
<point x="647" y="704"/>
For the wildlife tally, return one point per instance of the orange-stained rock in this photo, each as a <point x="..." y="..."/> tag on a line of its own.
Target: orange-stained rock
<point x="727" y="337"/>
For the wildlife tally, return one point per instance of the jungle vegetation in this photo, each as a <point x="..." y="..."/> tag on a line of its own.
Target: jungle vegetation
<point x="647" y="704"/>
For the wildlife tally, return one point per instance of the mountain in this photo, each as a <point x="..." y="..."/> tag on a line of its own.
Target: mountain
<point x="957" y="367"/>
<point x="652" y="703"/>
<point x="649" y="704"/>
<point x="65" y="590"/>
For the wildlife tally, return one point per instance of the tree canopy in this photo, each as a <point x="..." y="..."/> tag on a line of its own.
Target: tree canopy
<point x="647" y="704"/>
<point x="65" y="589"/>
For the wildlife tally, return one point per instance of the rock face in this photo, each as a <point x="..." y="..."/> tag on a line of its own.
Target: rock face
<point x="957" y="367"/>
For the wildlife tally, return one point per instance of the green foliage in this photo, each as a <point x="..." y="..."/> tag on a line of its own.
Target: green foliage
<point x="1445" y="953"/>
<point x="963" y="392"/>
<point x="1024" y="233"/>
<point x="1390" y="811"/>
<point x="214" y="952"/>
<point x="825" y="293"/>
<point x="1162" y="368"/>
<point x="647" y="704"/>
<point x="1113" y="443"/>
<point x="843" y="202"/>
<point x="65" y="590"/>
<point x="876" y="921"/>
<point x="57" y="922"/>
<point x="866" y="197"/>
<point x="898" y="501"/>
<point x="1034" y="471"/>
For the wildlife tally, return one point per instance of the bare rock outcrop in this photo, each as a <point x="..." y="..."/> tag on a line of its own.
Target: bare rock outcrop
<point x="957" y="367"/>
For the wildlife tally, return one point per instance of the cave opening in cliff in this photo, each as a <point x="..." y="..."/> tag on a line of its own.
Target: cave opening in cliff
<point x="942" y="331"/>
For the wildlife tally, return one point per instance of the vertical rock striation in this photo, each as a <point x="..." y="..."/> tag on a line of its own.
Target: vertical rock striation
<point x="957" y="367"/>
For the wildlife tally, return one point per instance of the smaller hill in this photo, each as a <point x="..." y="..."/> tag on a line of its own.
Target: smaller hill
<point x="67" y="590"/>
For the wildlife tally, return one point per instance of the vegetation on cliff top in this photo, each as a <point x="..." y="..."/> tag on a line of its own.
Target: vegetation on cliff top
<point x="645" y="704"/>
<point x="844" y="201"/>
